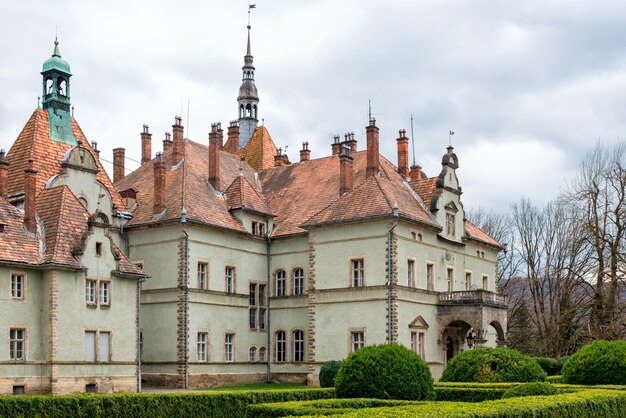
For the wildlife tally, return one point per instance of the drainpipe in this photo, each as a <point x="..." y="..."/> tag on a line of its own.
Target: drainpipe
<point x="183" y="220"/>
<point x="268" y="243"/>
<point x="389" y="273"/>
<point x="139" y="283"/>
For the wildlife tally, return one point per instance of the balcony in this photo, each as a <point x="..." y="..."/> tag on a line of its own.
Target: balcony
<point x="472" y="297"/>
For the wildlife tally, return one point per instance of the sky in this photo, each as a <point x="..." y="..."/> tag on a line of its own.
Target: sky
<point x="527" y="87"/>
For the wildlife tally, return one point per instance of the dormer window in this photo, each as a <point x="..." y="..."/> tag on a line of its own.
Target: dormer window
<point x="258" y="228"/>
<point x="451" y="211"/>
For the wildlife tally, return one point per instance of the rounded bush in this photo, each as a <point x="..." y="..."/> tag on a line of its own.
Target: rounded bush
<point x="562" y="361"/>
<point x="549" y="365"/>
<point x="530" y="389"/>
<point x="328" y="372"/>
<point x="492" y="365"/>
<point x="599" y="363"/>
<point x="386" y="371"/>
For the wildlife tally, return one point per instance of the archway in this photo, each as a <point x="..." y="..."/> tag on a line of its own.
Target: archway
<point x="454" y="337"/>
<point x="449" y="349"/>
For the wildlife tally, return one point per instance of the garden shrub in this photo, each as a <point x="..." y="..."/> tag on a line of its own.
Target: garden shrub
<point x="328" y="372"/>
<point x="318" y="407"/>
<point x="386" y="371"/>
<point x="551" y="366"/>
<point x="555" y="379"/>
<point x="530" y="389"/>
<point x="601" y="362"/>
<point x="562" y="361"/>
<point x="492" y="365"/>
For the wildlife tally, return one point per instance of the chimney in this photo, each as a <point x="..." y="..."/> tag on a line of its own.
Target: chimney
<point x="179" y="146"/>
<point x="336" y="147"/>
<point x="118" y="164"/>
<point x="346" y="171"/>
<point x="280" y="158"/>
<point x="4" y="175"/>
<point x="416" y="173"/>
<point x="372" y="148"/>
<point x="146" y="145"/>
<point x="350" y="142"/>
<point x="159" y="185"/>
<point x="233" y="137"/>
<point x="215" y="145"/>
<point x="94" y="147"/>
<point x="305" y="152"/>
<point x="30" y="184"/>
<point x="403" y="153"/>
<point x="167" y="142"/>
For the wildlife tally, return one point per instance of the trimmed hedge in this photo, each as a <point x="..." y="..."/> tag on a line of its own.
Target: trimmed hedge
<point x="328" y="372"/>
<point x="554" y="379"/>
<point x="150" y="405"/>
<point x="551" y="366"/>
<point x="460" y="394"/>
<point x="492" y="365"/>
<point x="385" y="371"/>
<point x="601" y="362"/>
<point x="320" y="407"/>
<point x="530" y="389"/>
<point x="592" y="403"/>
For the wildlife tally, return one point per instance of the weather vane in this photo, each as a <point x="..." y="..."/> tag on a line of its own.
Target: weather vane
<point x="250" y="7"/>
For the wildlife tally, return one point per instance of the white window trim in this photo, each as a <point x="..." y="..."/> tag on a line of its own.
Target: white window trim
<point x="351" y="259"/>
<point x="24" y="285"/>
<point x="351" y="332"/>
<point x="24" y="357"/>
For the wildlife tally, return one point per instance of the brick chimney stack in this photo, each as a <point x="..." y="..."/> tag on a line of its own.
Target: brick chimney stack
<point x="280" y="158"/>
<point x="159" y="185"/>
<point x="233" y="137"/>
<point x="179" y="146"/>
<point x="118" y="164"/>
<point x="336" y="146"/>
<point x="30" y="185"/>
<point x="305" y="152"/>
<point x="350" y="142"/>
<point x="215" y="145"/>
<point x="167" y="142"/>
<point x="346" y="171"/>
<point x="416" y="172"/>
<point x="372" y="149"/>
<point x="403" y="153"/>
<point x="146" y="145"/>
<point x="4" y="175"/>
<point x="94" y="147"/>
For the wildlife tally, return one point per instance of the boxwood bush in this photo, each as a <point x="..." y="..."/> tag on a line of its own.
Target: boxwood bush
<point x="530" y="389"/>
<point x="599" y="363"/>
<point x="551" y="366"/>
<point x="386" y="371"/>
<point x="328" y="372"/>
<point x="492" y="365"/>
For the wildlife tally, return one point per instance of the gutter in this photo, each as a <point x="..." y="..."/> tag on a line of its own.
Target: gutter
<point x="389" y="273"/>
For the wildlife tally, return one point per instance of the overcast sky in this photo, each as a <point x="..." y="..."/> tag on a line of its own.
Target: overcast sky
<point x="527" y="86"/>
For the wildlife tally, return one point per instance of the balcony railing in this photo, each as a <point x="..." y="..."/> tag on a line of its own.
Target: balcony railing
<point x="472" y="296"/>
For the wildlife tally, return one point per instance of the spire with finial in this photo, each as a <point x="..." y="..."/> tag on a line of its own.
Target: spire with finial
<point x="248" y="99"/>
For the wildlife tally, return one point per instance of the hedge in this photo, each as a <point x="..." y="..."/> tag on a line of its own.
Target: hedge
<point x="601" y="362"/>
<point x="591" y="403"/>
<point x="149" y="405"/>
<point x="319" y="407"/>
<point x="530" y="389"/>
<point x="328" y="372"/>
<point x="550" y="365"/>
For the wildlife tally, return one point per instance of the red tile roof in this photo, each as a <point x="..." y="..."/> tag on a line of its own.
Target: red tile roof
<point x="260" y="151"/>
<point x="475" y="233"/>
<point x="425" y="188"/>
<point x="34" y="143"/>
<point x="241" y="195"/>
<point x="15" y="244"/>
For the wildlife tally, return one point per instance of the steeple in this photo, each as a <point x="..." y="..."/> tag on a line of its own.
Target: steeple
<point x="248" y="99"/>
<point x="56" y="96"/>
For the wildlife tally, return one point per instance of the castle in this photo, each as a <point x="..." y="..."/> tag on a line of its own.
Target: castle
<point x="223" y="262"/>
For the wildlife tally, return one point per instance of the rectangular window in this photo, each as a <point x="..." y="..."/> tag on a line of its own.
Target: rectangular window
<point x="262" y="295"/>
<point x="104" y="347"/>
<point x="262" y="306"/>
<point x="18" y="389"/>
<point x="298" y="345"/>
<point x="202" y="275"/>
<point x="252" y="317"/>
<point x="229" y="347"/>
<point x="17" y="344"/>
<point x="90" y="346"/>
<point x="261" y="229"/>
<point x="468" y="280"/>
<point x="105" y="297"/>
<point x="357" y="340"/>
<point x="430" y="276"/>
<point x="90" y="292"/>
<point x="298" y="281"/>
<point x="450" y="280"/>
<point x="262" y="315"/>
<point x="281" y="283"/>
<point x="485" y="282"/>
<point x="17" y="286"/>
<point x="410" y="273"/>
<point x="253" y="295"/>
<point x="255" y="228"/>
<point x="421" y="349"/>
<point x="98" y="249"/>
<point x="358" y="272"/>
<point x="414" y="341"/>
<point x="203" y="337"/>
<point x="262" y="354"/>
<point x="280" y="346"/>
<point x="230" y="279"/>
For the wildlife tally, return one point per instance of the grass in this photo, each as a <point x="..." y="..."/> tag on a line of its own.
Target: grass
<point x="260" y="386"/>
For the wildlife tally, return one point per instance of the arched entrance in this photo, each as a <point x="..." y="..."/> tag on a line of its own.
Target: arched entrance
<point x="454" y="337"/>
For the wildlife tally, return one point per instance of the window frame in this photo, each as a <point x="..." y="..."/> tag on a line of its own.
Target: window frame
<point x="450" y="279"/>
<point x="410" y="272"/>
<point x="252" y="354"/>
<point x="357" y="273"/>
<point x="14" y="341"/>
<point x="262" y="354"/>
<point x="430" y="278"/>
<point x="468" y="283"/>
<point x="229" y="347"/>
<point x="93" y="301"/>
<point x="280" y="281"/>
<point x="230" y="280"/>
<point x="298" y="346"/>
<point x="298" y="288"/>
<point x="202" y="273"/>
<point x="101" y="285"/>
<point x="355" y="344"/>
<point x="280" y="346"/>
<point x="202" y="355"/>
<point x="22" y="287"/>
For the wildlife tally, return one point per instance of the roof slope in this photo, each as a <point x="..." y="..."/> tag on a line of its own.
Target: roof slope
<point x="260" y="151"/>
<point x="241" y="195"/>
<point x="425" y="188"/>
<point x="475" y="233"/>
<point x="15" y="244"/>
<point x="34" y="143"/>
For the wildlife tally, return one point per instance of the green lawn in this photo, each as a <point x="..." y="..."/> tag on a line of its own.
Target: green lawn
<point x="260" y="386"/>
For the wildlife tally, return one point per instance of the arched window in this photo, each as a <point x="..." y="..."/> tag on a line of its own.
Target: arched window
<point x="61" y="86"/>
<point x="241" y="111"/>
<point x="281" y="282"/>
<point x="49" y="86"/>
<point x="298" y="281"/>
<point x="252" y="354"/>
<point x="280" y="346"/>
<point x="254" y="111"/>
<point x="248" y="110"/>
<point x="262" y="354"/>
<point x="298" y="345"/>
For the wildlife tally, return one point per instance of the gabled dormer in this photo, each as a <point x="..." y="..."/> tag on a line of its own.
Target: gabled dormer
<point x="446" y="202"/>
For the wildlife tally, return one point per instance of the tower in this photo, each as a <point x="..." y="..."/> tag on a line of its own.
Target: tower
<point x="56" y="97"/>
<point x="248" y="99"/>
